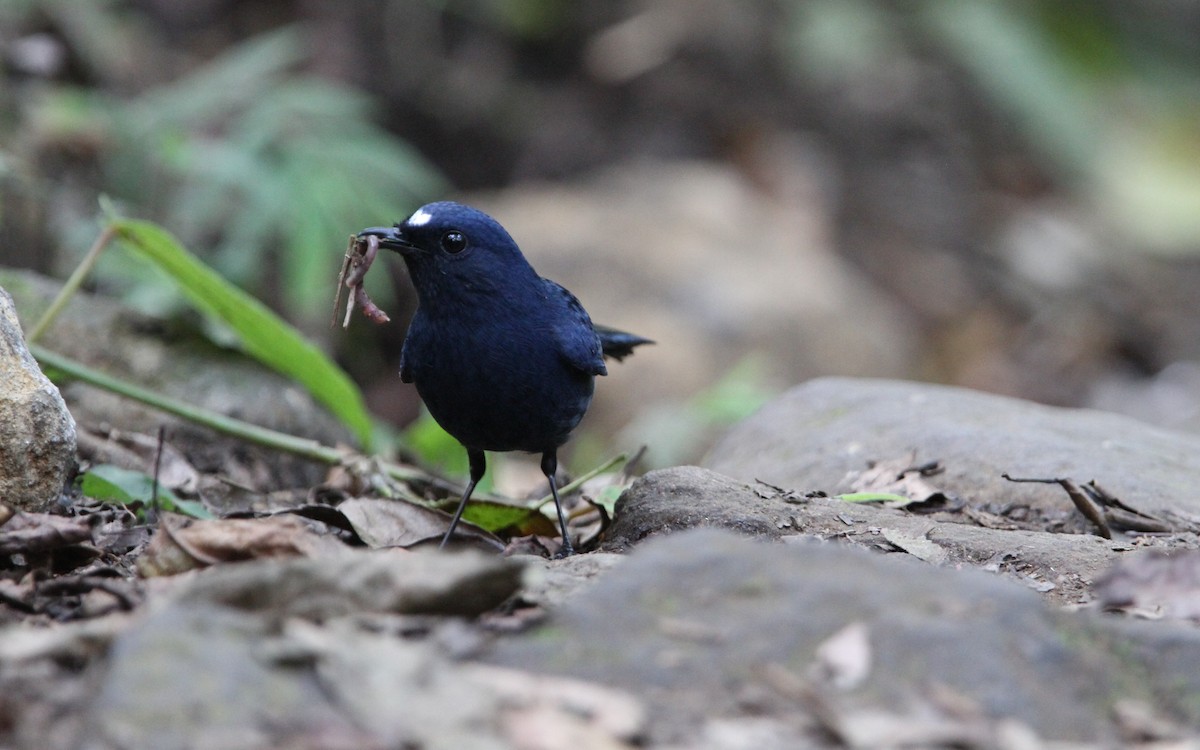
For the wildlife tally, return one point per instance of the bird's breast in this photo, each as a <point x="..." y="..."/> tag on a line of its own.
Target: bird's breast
<point x="494" y="384"/>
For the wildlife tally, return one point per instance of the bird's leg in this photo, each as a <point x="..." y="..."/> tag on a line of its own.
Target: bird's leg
<point x="478" y="463"/>
<point x="549" y="467"/>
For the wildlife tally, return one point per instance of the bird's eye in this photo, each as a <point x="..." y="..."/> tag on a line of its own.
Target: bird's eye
<point x="454" y="242"/>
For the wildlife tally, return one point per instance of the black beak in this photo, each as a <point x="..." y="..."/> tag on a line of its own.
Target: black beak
<point x="391" y="238"/>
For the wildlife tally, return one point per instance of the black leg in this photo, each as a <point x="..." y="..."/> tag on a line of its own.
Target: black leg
<point x="549" y="467"/>
<point x="478" y="466"/>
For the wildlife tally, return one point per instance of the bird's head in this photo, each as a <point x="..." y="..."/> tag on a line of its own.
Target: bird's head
<point x="451" y="249"/>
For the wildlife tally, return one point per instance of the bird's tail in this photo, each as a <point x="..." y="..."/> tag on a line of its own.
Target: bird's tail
<point x="618" y="344"/>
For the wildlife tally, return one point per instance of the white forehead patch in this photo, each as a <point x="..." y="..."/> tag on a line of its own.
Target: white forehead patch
<point x="420" y="218"/>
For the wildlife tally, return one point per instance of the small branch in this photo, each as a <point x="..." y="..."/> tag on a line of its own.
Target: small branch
<point x="154" y="509"/>
<point x="1082" y="502"/>
<point x="72" y="284"/>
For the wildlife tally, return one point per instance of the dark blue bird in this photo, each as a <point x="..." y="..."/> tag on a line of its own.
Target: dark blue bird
<point x="504" y="359"/>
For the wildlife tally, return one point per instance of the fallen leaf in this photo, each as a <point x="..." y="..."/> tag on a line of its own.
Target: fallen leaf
<point x="1168" y="584"/>
<point x="899" y="482"/>
<point x="844" y="658"/>
<point x="896" y="501"/>
<point x="496" y="517"/>
<point x="542" y="711"/>
<point x="1141" y="722"/>
<point x="918" y="546"/>
<point x="129" y="487"/>
<point x="41" y="532"/>
<point x="140" y="452"/>
<point x="177" y="547"/>
<point x="396" y="523"/>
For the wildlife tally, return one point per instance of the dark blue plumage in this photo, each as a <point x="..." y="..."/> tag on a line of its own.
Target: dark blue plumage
<point x="504" y="359"/>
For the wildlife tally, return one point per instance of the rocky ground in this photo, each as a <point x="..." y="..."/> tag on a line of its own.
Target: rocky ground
<point x="850" y="568"/>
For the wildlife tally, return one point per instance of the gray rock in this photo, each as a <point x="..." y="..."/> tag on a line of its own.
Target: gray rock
<point x="378" y="581"/>
<point x="202" y="676"/>
<point x="547" y="583"/>
<point x="684" y="497"/>
<point x="1062" y="566"/>
<point x="706" y="627"/>
<point x="192" y="675"/>
<point x="37" y="440"/>
<point x="819" y="434"/>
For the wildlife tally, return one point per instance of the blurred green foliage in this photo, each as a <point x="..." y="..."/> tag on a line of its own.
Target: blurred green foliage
<point x="264" y="169"/>
<point x="256" y="329"/>
<point x="528" y="19"/>
<point x="269" y="168"/>
<point x="434" y="447"/>
<point x="680" y="432"/>
<point x="1106" y="96"/>
<point x="135" y="490"/>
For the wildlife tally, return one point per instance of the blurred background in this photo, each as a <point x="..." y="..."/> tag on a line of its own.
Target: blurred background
<point x="999" y="194"/>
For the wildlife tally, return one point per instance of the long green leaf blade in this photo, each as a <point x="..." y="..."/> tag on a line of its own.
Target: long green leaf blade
<point x="263" y="334"/>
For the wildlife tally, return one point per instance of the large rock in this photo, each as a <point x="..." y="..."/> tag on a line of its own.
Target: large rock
<point x="723" y="635"/>
<point x="666" y="501"/>
<point x="310" y="653"/>
<point x="37" y="437"/>
<point x="822" y="435"/>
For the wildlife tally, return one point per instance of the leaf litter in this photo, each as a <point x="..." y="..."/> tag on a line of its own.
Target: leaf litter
<point x="76" y="567"/>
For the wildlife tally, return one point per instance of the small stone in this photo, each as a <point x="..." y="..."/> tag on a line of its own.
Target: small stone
<point x="37" y="442"/>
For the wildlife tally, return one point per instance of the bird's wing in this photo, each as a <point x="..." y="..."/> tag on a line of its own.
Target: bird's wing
<point x="577" y="341"/>
<point x="406" y="374"/>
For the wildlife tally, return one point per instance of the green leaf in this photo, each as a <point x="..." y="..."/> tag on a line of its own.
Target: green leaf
<point x="263" y="334"/>
<point x="875" y="497"/>
<point x="608" y="497"/>
<point x="113" y="484"/>
<point x="494" y="516"/>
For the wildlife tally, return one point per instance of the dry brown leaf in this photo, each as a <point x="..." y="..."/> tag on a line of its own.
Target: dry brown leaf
<point x="844" y="658"/>
<point x="900" y="476"/>
<point x="139" y="451"/>
<point x="544" y="712"/>
<point x="1154" y="583"/>
<point x="177" y="547"/>
<point x="396" y="523"/>
<point x="39" y="532"/>
<point x="919" y="546"/>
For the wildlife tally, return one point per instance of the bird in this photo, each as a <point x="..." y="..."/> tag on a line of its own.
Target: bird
<point x="504" y="359"/>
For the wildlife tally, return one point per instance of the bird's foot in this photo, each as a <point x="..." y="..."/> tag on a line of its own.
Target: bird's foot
<point x="566" y="550"/>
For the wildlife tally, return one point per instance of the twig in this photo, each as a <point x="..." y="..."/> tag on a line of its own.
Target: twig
<point x="341" y="284"/>
<point x="1122" y="516"/>
<point x="72" y="284"/>
<point x="157" y="467"/>
<point x="1082" y="502"/>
